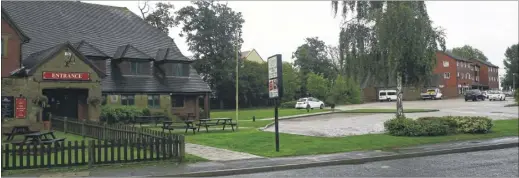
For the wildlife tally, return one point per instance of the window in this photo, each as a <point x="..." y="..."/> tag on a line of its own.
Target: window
<point x="447" y="75"/>
<point x="457" y="63"/>
<point x="177" y="101"/>
<point x="179" y="69"/>
<point x="154" y="101"/>
<point x="458" y="75"/>
<point x="135" y="68"/>
<point x="103" y="102"/>
<point x="445" y="63"/>
<point x="128" y="100"/>
<point x="467" y="76"/>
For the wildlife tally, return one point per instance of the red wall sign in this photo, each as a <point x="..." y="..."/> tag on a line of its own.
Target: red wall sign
<point x="82" y="76"/>
<point x="20" y="107"/>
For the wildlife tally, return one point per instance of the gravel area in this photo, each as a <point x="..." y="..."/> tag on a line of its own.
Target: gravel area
<point x="344" y="124"/>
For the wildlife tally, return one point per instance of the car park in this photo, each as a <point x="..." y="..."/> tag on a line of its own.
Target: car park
<point x="474" y="95"/>
<point x="496" y="95"/>
<point x="309" y="102"/>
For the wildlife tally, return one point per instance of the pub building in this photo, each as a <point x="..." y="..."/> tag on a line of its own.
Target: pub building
<point x="67" y="58"/>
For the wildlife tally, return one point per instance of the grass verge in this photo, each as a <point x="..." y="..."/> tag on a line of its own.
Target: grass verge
<point x="247" y="114"/>
<point x="388" y="110"/>
<point x="262" y="143"/>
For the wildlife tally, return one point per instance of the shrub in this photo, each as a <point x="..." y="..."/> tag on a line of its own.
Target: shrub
<point x="146" y="112"/>
<point x="288" y="104"/>
<point x="114" y="114"/>
<point x="436" y="126"/>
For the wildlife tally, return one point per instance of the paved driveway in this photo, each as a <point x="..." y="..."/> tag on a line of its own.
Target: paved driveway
<point x="334" y="125"/>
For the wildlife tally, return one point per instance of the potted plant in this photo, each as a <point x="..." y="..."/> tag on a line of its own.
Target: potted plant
<point x="94" y="100"/>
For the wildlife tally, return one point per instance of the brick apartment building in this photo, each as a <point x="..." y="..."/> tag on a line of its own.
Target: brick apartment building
<point x="459" y="74"/>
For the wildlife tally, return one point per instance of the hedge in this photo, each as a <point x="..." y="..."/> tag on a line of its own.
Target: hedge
<point x="436" y="126"/>
<point x="288" y="104"/>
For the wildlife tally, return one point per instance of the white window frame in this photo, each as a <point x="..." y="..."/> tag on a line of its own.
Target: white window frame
<point x="467" y="76"/>
<point x="445" y="63"/>
<point x="446" y="75"/>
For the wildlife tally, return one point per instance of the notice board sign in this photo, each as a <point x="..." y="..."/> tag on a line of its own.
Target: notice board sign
<point x="20" y="106"/>
<point x="8" y="106"/>
<point x="275" y="75"/>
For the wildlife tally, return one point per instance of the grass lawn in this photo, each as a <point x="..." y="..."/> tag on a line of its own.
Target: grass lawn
<point x="262" y="143"/>
<point x="388" y="110"/>
<point x="261" y="113"/>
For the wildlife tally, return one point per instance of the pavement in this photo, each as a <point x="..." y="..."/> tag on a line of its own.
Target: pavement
<point x="216" y="154"/>
<point x="494" y="163"/>
<point x="344" y="124"/>
<point x="248" y="166"/>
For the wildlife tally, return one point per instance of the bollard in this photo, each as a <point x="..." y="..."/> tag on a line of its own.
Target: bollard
<point x="253" y="118"/>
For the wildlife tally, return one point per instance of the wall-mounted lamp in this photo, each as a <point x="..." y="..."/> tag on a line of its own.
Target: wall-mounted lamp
<point x="69" y="58"/>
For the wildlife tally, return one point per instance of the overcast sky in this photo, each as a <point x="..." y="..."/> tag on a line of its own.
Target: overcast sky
<point x="279" y="27"/>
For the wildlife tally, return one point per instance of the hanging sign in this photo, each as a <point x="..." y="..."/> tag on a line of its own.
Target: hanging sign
<point x="20" y="108"/>
<point x="80" y="76"/>
<point x="275" y="75"/>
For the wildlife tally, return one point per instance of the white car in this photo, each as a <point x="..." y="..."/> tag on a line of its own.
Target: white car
<point x="496" y="95"/>
<point x="302" y="103"/>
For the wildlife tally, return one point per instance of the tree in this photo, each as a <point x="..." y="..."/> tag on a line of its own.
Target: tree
<point x="213" y="33"/>
<point x="291" y="82"/>
<point x="161" y="17"/>
<point x="468" y="52"/>
<point x="511" y="63"/>
<point x="344" y="91"/>
<point x="397" y="35"/>
<point x="317" y="86"/>
<point x="311" y="57"/>
<point x="252" y="83"/>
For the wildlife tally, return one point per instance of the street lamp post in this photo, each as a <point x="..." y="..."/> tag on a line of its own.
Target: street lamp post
<point x="237" y="67"/>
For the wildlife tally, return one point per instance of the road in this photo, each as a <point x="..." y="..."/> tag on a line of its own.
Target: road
<point x="493" y="163"/>
<point x="338" y="125"/>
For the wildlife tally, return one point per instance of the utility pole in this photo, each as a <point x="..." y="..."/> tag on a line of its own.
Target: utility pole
<point x="237" y="67"/>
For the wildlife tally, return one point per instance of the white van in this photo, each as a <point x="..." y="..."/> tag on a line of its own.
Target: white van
<point x="387" y="95"/>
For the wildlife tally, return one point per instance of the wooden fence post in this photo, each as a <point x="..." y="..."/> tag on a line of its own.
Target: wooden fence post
<point x="182" y="147"/>
<point x="65" y="120"/>
<point x="91" y="153"/>
<point x="104" y="131"/>
<point x="83" y="128"/>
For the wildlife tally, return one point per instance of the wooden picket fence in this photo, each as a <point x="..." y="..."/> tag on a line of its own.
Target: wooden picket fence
<point x="89" y="153"/>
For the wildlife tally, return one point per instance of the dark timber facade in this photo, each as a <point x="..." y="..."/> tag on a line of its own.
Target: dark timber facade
<point x="79" y="54"/>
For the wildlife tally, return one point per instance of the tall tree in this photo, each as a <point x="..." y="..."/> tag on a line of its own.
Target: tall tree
<point x="468" y="52"/>
<point x="311" y="57"/>
<point x="213" y="33"/>
<point x="399" y="36"/>
<point x="291" y="82"/>
<point x="511" y="63"/>
<point x="161" y="17"/>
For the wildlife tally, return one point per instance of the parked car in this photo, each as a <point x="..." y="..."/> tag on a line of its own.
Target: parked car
<point x="496" y="95"/>
<point x="485" y="94"/>
<point x="474" y="95"/>
<point x="509" y="93"/>
<point x="311" y="102"/>
<point x="387" y="95"/>
<point x="432" y="93"/>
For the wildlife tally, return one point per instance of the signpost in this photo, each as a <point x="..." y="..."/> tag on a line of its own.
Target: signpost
<point x="275" y="88"/>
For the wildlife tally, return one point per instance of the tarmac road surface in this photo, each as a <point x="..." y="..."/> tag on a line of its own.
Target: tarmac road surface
<point x="493" y="163"/>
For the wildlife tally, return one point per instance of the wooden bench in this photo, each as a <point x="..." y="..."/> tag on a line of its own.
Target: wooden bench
<point x="170" y="125"/>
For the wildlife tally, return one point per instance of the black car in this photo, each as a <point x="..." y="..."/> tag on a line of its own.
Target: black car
<point x="474" y="95"/>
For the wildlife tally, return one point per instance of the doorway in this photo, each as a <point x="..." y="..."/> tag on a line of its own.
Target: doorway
<point x="70" y="103"/>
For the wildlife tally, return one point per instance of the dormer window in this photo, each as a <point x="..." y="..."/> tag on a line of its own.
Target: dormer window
<point x="135" y="68"/>
<point x="177" y="69"/>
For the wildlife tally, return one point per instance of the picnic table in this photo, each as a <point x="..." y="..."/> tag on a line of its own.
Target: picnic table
<point x="148" y="119"/>
<point x="47" y="137"/>
<point x="172" y="125"/>
<point x="17" y="130"/>
<point x="215" y="122"/>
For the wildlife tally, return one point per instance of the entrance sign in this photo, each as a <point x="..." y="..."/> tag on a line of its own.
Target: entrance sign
<point x="20" y="108"/>
<point x="275" y="67"/>
<point x="8" y="106"/>
<point x="79" y="76"/>
<point x="275" y="76"/>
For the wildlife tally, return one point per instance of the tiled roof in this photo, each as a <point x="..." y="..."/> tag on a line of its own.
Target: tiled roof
<point x="455" y="57"/>
<point x="486" y="63"/>
<point x="170" y="54"/>
<point x="106" y="28"/>
<point x="7" y="17"/>
<point x="130" y="52"/>
<point x="89" y="50"/>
